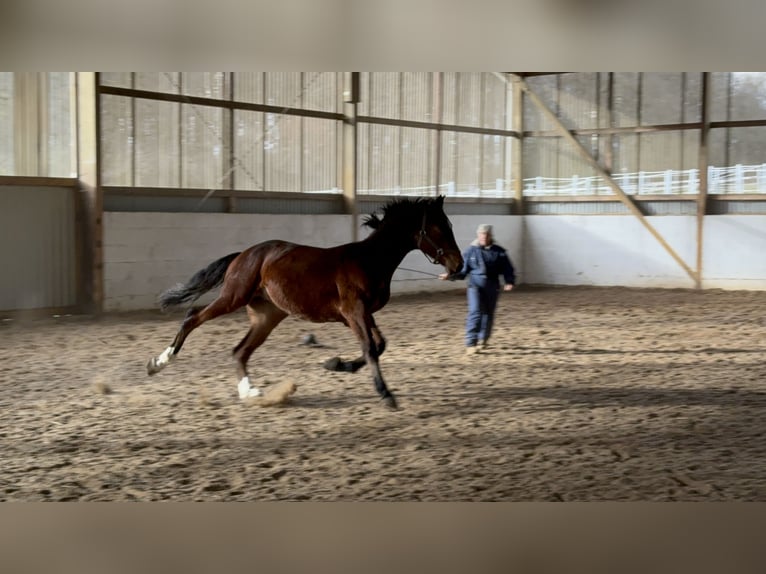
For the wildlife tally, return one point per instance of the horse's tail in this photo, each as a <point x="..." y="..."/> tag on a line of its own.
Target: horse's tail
<point x="201" y="282"/>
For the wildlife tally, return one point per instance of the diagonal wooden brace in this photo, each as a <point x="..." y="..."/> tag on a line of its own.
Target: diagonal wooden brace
<point x="623" y="197"/>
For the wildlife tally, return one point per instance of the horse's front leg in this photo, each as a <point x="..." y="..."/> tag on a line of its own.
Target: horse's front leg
<point x="363" y="326"/>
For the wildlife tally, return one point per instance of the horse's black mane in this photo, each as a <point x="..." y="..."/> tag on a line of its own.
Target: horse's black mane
<point x="399" y="209"/>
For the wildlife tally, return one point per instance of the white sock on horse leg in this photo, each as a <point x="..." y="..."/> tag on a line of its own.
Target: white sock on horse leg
<point x="166" y="356"/>
<point x="246" y="391"/>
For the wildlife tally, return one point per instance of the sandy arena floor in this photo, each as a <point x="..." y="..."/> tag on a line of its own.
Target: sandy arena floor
<point x="586" y="394"/>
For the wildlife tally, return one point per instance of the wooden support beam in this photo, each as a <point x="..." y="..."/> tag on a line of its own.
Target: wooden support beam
<point x="517" y="125"/>
<point x="89" y="181"/>
<point x="702" y="166"/>
<point x="623" y="197"/>
<point x="350" y="100"/>
<point x="437" y="97"/>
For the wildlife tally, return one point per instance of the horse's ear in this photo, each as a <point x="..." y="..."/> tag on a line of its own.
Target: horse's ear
<point x="440" y="201"/>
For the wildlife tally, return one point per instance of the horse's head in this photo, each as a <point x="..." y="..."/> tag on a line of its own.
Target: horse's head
<point x="435" y="237"/>
<point x="425" y="218"/>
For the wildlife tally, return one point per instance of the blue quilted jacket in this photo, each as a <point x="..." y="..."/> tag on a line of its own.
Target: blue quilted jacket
<point x="484" y="265"/>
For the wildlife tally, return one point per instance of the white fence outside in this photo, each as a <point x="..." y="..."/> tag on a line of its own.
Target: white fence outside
<point x="721" y="180"/>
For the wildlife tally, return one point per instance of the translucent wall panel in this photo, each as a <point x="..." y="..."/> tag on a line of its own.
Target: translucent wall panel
<point x="205" y="84"/>
<point x="495" y="96"/>
<point x="384" y="91"/>
<point x="469" y="97"/>
<point x="662" y="98"/>
<point x="417" y="100"/>
<point x="59" y="130"/>
<point x="718" y="153"/>
<point x="285" y="153"/>
<point x="545" y="87"/>
<point x="282" y="153"/>
<point x="284" y="89"/>
<point x="248" y="87"/>
<point x="383" y="158"/>
<point x="660" y="151"/>
<point x="468" y="177"/>
<point x="449" y="98"/>
<point x="569" y="160"/>
<point x="116" y="79"/>
<point x="164" y="82"/>
<point x="363" y="107"/>
<point x="690" y="149"/>
<point x="116" y="140"/>
<point x="321" y="151"/>
<point x="6" y="124"/>
<point x="248" y="150"/>
<point x="578" y="100"/>
<point x="307" y="90"/>
<point x="157" y="143"/>
<point x="625" y="158"/>
<point x="541" y="157"/>
<point x="448" y="159"/>
<point x="748" y="95"/>
<point x="625" y="99"/>
<point x="37" y="124"/>
<point x="747" y="146"/>
<point x="668" y="150"/>
<point x="493" y="165"/>
<point x="738" y="96"/>
<point x="322" y="91"/>
<point x="416" y="161"/>
<point x="202" y="153"/>
<point x="692" y="111"/>
<point x="468" y="163"/>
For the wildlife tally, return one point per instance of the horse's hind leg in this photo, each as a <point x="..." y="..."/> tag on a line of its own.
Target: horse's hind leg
<point x="338" y="364"/>
<point x="264" y="316"/>
<point x="194" y="318"/>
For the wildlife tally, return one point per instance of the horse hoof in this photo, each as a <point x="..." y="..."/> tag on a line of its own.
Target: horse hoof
<point x="151" y="367"/>
<point x="390" y="403"/>
<point x="334" y="364"/>
<point x="352" y="366"/>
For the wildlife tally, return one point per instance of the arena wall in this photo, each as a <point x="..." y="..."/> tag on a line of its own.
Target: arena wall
<point x="147" y="252"/>
<point x="617" y="250"/>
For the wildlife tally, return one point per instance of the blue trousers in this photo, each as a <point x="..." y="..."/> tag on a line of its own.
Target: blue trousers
<point x="481" y="313"/>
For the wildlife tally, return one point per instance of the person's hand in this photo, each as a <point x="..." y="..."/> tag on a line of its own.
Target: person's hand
<point x="443" y="276"/>
<point x="507" y="287"/>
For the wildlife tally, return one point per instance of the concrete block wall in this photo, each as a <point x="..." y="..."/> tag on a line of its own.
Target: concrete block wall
<point x="734" y="252"/>
<point x="618" y="250"/>
<point x="145" y="253"/>
<point x="607" y="250"/>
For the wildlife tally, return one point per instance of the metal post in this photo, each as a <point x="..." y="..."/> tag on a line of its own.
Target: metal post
<point x="609" y="151"/>
<point x="350" y="100"/>
<point x="517" y="125"/>
<point x="227" y="149"/>
<point x="89" y="179"/>
<point x="438" y="106"/>
<point x="703" y="172"/>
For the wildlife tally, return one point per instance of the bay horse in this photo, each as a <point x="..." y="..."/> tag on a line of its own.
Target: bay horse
<point x="346" y="283"/>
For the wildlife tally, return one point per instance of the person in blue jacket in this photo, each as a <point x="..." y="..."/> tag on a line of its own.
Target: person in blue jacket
<point x="483" y="263"/>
